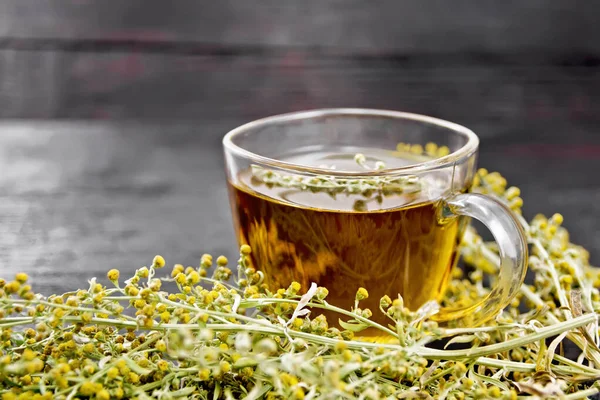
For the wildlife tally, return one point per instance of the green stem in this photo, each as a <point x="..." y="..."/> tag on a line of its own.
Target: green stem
<point x="167" y="378"/>
<point x="542" y="333"/>
<point x="253" y="302"/>
<point x="10" y="322"/>
<point x="582" y="394"/>
<point x="466" y="331"/>
<point x="438" y="375"/>
<point x="575" y="364"/>
<point x="562" y="297"/>
<point x="63" y="306"/>
<point x="530" y="367"/>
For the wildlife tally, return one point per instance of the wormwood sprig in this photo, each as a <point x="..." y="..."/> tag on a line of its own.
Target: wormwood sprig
<point x="208" y="332"/>
<point x="375" y="188"/>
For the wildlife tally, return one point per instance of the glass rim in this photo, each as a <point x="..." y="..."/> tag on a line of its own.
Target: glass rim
<point x="464" y="151"/>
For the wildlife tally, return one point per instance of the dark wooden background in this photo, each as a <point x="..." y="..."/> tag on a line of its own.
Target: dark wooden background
<point x="113" y="110"/>
<point x="182" y="59"/>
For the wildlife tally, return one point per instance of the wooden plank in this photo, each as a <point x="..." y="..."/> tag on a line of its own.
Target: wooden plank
<point x="167" y="86"/>
<point x="409" y="26"/>
<point x="4" y="19"/>
<point x="29" y="83"/>
<point x="78" y="197"/>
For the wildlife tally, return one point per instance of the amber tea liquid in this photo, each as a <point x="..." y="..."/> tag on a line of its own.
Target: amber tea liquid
<point x="396" y="246"/>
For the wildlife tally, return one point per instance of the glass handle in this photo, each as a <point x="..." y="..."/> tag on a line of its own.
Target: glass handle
<point x="512" y="243"/>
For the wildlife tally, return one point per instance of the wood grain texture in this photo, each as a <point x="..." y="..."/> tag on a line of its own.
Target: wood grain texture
<point x="30" y="82"/>
<point x="78" y="198"/>
<point x="407" y="26"/>
<point x="181" y="59"/>
<point x="141" y="85"/>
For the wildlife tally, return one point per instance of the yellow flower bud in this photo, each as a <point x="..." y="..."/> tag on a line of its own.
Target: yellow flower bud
<point x="161" y="345"/>
<point x="133" y="377"/>
<point x="103" y="395"/>
<point x="225" y="366"/>
<point x="204" y="374"/>
<point x="431" y="149"/>
<point x="193" y="277"/>
<point x="245" y="249"/>
<point x="181" y="278"/>
<point x="158" y="262"/>
<point x="362" y="294"/>
<point x="113" y="275"/>
<point x="112" y="373"/>
<point x="222" y="261"/>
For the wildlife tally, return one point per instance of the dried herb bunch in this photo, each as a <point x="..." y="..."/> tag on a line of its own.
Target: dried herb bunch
<point x="376" y="187"/>
<point x="221" y="334"/>
<point x="370" y="189"/>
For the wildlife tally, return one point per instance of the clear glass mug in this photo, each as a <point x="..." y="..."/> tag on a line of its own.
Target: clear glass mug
<point x="350" y="198"/>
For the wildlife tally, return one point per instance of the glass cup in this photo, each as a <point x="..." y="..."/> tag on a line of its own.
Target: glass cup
<point x="351" y="198"/>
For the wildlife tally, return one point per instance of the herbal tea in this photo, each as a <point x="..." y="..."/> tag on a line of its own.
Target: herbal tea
<point x="388" y="241"/>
